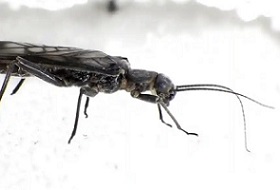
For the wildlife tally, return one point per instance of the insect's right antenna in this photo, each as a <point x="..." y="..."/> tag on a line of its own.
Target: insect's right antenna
<point x="215" y="87"/>
<point x="7" y="78"/>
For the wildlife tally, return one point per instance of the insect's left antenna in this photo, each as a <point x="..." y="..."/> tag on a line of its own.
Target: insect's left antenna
<point x="10" y="69"/>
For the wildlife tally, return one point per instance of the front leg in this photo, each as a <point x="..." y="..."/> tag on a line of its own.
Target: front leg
<point x="151" y="99"/>
<point x="155" y="99"/>
<point x="145" y="97"/>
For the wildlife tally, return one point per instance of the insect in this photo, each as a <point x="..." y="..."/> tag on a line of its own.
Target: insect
<point x="93" y="72"/>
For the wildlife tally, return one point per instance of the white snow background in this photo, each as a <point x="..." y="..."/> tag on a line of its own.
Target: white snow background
<point x="123" y="144"/>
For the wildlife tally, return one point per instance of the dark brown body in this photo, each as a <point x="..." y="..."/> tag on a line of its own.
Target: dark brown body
<point x="76" y="67"/>
<point x="91" y="70"/>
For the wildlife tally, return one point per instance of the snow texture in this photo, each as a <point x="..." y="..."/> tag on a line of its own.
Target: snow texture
<point x="123" y="145"/>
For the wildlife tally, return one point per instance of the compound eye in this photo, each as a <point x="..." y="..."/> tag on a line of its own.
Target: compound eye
<point x="172" y="94"/>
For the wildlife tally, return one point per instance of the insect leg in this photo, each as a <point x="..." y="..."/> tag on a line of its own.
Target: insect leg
<point x="161" y="117"/>
<point x="7" y="78"/>
<point x="159" y="102"/>
<point x="145" y="97"/>
<point x="86" y="106"/>
<point x="175" y="121"/>
<point x="18" y="86"/>
<point x="77" y="116"/>
<point x="83" y="91"/>
<point x="36" y="70"/>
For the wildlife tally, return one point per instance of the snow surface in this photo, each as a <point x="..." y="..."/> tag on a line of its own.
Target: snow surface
<point x="247" y="10"/>
<point x="123" y="145"/>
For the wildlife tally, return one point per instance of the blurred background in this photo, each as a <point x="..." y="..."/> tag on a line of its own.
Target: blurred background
<point x="123" y="144"/>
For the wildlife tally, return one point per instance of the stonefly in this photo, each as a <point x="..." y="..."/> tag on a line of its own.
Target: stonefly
<point x="94" y="71"/>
